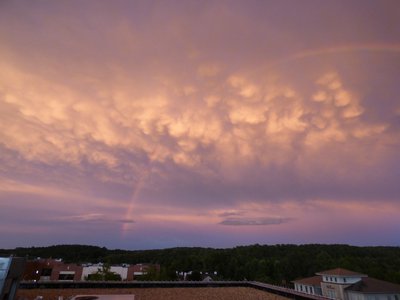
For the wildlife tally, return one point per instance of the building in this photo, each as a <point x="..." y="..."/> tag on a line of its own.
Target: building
<point x="342" y="284"/>
<point x="56" y="270"/>
<point x="39" y="269"/>
<point x="309" y="285"/>
<point x="11" y="269"/>
<point x="373" y="289"/>
<point x="51" y="269"/>
<point x="335" y="281"/>
<point x="88" y="270"/>
<point x="66" y="272"/>
<point x="139" y="270"/>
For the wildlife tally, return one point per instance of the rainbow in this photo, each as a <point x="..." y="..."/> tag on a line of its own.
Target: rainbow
<point x="136" y="191"/>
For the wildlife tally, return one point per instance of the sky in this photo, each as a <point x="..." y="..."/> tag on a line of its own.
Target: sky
<point x="156" y="124"/>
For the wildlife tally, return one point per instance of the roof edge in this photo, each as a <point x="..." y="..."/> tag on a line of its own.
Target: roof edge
<point x="339" y="272"/>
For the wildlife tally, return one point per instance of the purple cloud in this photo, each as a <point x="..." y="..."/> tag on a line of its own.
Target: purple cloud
<point x="190" y="113"/>
<point x="254" y="221"/>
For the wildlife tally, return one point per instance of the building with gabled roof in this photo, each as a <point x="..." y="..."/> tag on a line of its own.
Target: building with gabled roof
<point x="334" y="282"/>
<point x="342" y="284"/>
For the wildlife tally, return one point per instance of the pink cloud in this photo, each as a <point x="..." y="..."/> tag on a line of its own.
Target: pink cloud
<point x="195" y="115"/>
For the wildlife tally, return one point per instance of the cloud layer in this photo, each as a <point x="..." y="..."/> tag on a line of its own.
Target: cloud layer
<point x="196" y="113"/>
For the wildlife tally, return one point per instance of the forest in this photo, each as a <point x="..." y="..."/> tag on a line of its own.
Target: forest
<point x="276" y="264"/>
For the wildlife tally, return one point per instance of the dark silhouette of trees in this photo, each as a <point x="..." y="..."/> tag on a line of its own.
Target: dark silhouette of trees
<point x="269" y="263"/>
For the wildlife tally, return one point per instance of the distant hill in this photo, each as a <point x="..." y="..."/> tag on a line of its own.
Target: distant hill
<point x="268" y="263"/>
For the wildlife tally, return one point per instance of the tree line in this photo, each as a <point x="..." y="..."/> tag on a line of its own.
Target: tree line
<point x="276" y="264"/>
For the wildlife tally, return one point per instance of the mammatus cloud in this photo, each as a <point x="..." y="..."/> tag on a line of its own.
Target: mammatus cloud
<point x="196" y="113"/>
<point x="252" y="122"/>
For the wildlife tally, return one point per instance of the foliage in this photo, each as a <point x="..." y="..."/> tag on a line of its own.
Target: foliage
<point x="104" y="274"/>
<point x="269" y="263"/>
<point x="151" y="274"/>
<point x="195" y="276"/>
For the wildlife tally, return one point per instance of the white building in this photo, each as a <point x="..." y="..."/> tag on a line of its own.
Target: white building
<point x="342" y="284"/>
<point x="373" y="289"/>
<point x="91" y="269"/>
<point x="309" y="285"/>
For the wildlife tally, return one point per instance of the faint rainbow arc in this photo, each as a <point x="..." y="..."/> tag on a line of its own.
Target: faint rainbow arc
<point x="137" y="188"/>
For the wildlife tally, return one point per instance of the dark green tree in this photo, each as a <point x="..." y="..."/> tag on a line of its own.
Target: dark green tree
<point x="104" y="274"/>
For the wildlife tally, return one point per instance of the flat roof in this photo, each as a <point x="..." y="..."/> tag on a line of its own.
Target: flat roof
<point x="103" y="297"/>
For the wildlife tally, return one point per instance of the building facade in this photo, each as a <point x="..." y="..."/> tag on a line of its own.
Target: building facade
<point x="88" y="270"/>
<point x="310" y="285"/>
<point x="57" y="270"/>
<point x="66" y="272"/>
<point x="342" y="284"/>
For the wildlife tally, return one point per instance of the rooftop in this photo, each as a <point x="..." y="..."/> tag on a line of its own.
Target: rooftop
<point x="341" y="272"/>
<point x="314" y="280"/>
<point x="372" y="285"/>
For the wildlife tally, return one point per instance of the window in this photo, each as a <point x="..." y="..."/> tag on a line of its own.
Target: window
<point x="344" y="279"/>
<point x="331" y="294"/>
<point x="335" y="279"/>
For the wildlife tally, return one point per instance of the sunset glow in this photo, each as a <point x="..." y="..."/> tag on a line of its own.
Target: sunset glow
<point x="153" y="124"/>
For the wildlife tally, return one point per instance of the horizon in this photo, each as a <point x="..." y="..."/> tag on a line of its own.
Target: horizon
<point x="203" y="247"/>
<point x="158" y="124"/>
